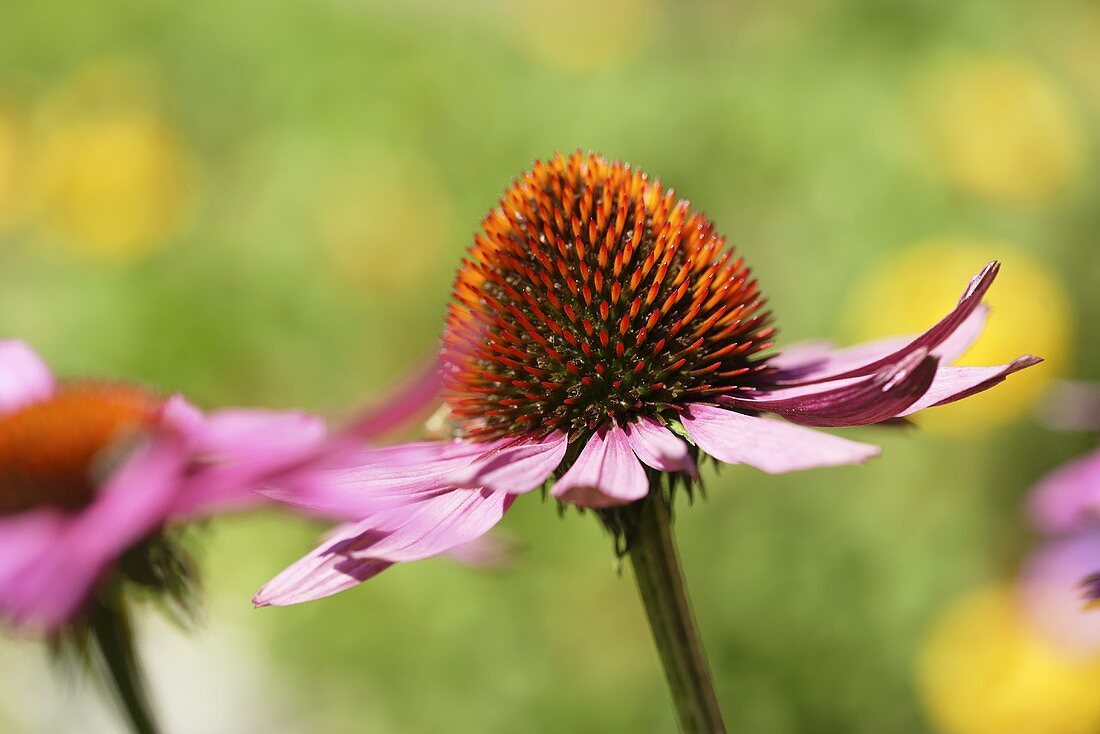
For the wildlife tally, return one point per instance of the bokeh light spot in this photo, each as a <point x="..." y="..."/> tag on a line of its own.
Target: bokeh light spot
<point x="1001" y="129"/>
<point x="1029" y="315"/>
<point x="113" y="179"/>
<point x="386" y="225"/>
<point x="984" y="670"/>
<point x="578" y="36"/>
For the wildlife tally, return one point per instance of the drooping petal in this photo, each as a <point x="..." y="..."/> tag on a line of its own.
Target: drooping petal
<point x="515" y="467"/>
<point x="354" y="484"/>
<point x="658" y="447"/>
<point x="39" y="585"/>
<point x="606" y="473"/>
<point x="1069" y="497"/>
<point x="769" y="445"/>
<point x="409" y="400"/>
<point x="237" y="450"/>
<point x="956" y="383"/>
<point x="50" y="562"/>
<point x="949" y="337"/>
<point x="24" y="377"/>
<point x="137" y="499"/>
<point x="319" y="574"/>
<point x="360" y="550"/>
<point x="860" y="402"/>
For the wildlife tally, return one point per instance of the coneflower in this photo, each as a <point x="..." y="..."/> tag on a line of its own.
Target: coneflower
<point x="602" y="339"/>
<point x="94" y="478"/>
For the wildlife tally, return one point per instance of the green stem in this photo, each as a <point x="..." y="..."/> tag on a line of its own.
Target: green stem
<point x="661" y="585"/>
<point x="113" y="636"/>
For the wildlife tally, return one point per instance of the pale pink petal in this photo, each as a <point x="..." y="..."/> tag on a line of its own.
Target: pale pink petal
<point x="1054" y="594"/>
<point x="956" y="383"/>
<point x="354" y="484"/>
<point x="360" y="550"/>
<point x="515" y="467"/>
<point x="769" y="445"/>
<point x="493" y="551"/>
<point x="319" y="574"/>
<point x="24" y="377"/>
<point x="606" y="473"/>
<point x="1069" y="497"/>
<point x="659" y="447"/>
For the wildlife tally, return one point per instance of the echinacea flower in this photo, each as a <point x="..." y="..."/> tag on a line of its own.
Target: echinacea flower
<point x="601" y="335"/>
<point x="1062" y="576"/>
<point x="602" y="338"/>
<point x="92" y="474"/>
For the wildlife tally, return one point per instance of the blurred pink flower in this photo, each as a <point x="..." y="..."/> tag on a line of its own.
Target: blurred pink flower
<point x="1062" y="576"/>
<point x="90" y="471"/>
<point x="580" y="352"/>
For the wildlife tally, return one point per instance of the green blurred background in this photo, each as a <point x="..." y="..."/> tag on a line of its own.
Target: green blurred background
<point x="263" y="203"/>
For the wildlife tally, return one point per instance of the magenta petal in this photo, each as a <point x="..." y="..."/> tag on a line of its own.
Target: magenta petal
<point x="855" y="403"/>
<point x="240" y="449"/>
<point x="136" y="500"/>
<point x="24" y="377"/>
<point x="956" y="383"/>
<point x="952" y="334"/>
<point x="41" y="584"/>
<point x="1069" y="497"/>
<point x="408" y="401"/>
<point x="606" y="473"/>
<point x="769" y="445"/>
<point x="658" y="447"/>
<point x="361" y="550"/>
<point x="49" y="562"/>
<point x="515" y="467"/>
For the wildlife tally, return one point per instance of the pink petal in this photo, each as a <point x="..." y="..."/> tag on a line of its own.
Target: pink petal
<point x="606" y="473"/>
<point x="769" y="445"/>
<point x="515" y="467"/>
<point x="1054" y="596"/>
<point x="24" y="377"/>
<point x="956" y="383"/>
<point x="949" y="338"/>
<point x="360" y="550"/>
<point x="413" y="398"/>
<point x="238" y="450"/>
<point x="658" y="447"/>
<point x="50" y="562"/>
<point x="856" y="402"/>
<point x="1069" y="497"/>
<point x="354" y="484"/>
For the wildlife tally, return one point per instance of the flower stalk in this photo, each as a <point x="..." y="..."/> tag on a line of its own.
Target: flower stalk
<point x="113" y="638"/>
<point x="661" y="585"/>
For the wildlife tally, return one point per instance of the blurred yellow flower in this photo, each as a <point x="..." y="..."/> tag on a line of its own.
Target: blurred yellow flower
<point x="1029" y="315"/>
<point x="983" y="670"/>
<point x="1000" y="128"/>
<point x="10" y="169"/>
<point x="113" y="179"/>
<point x="386" y="224"/>
<point x="576" y="36"/>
